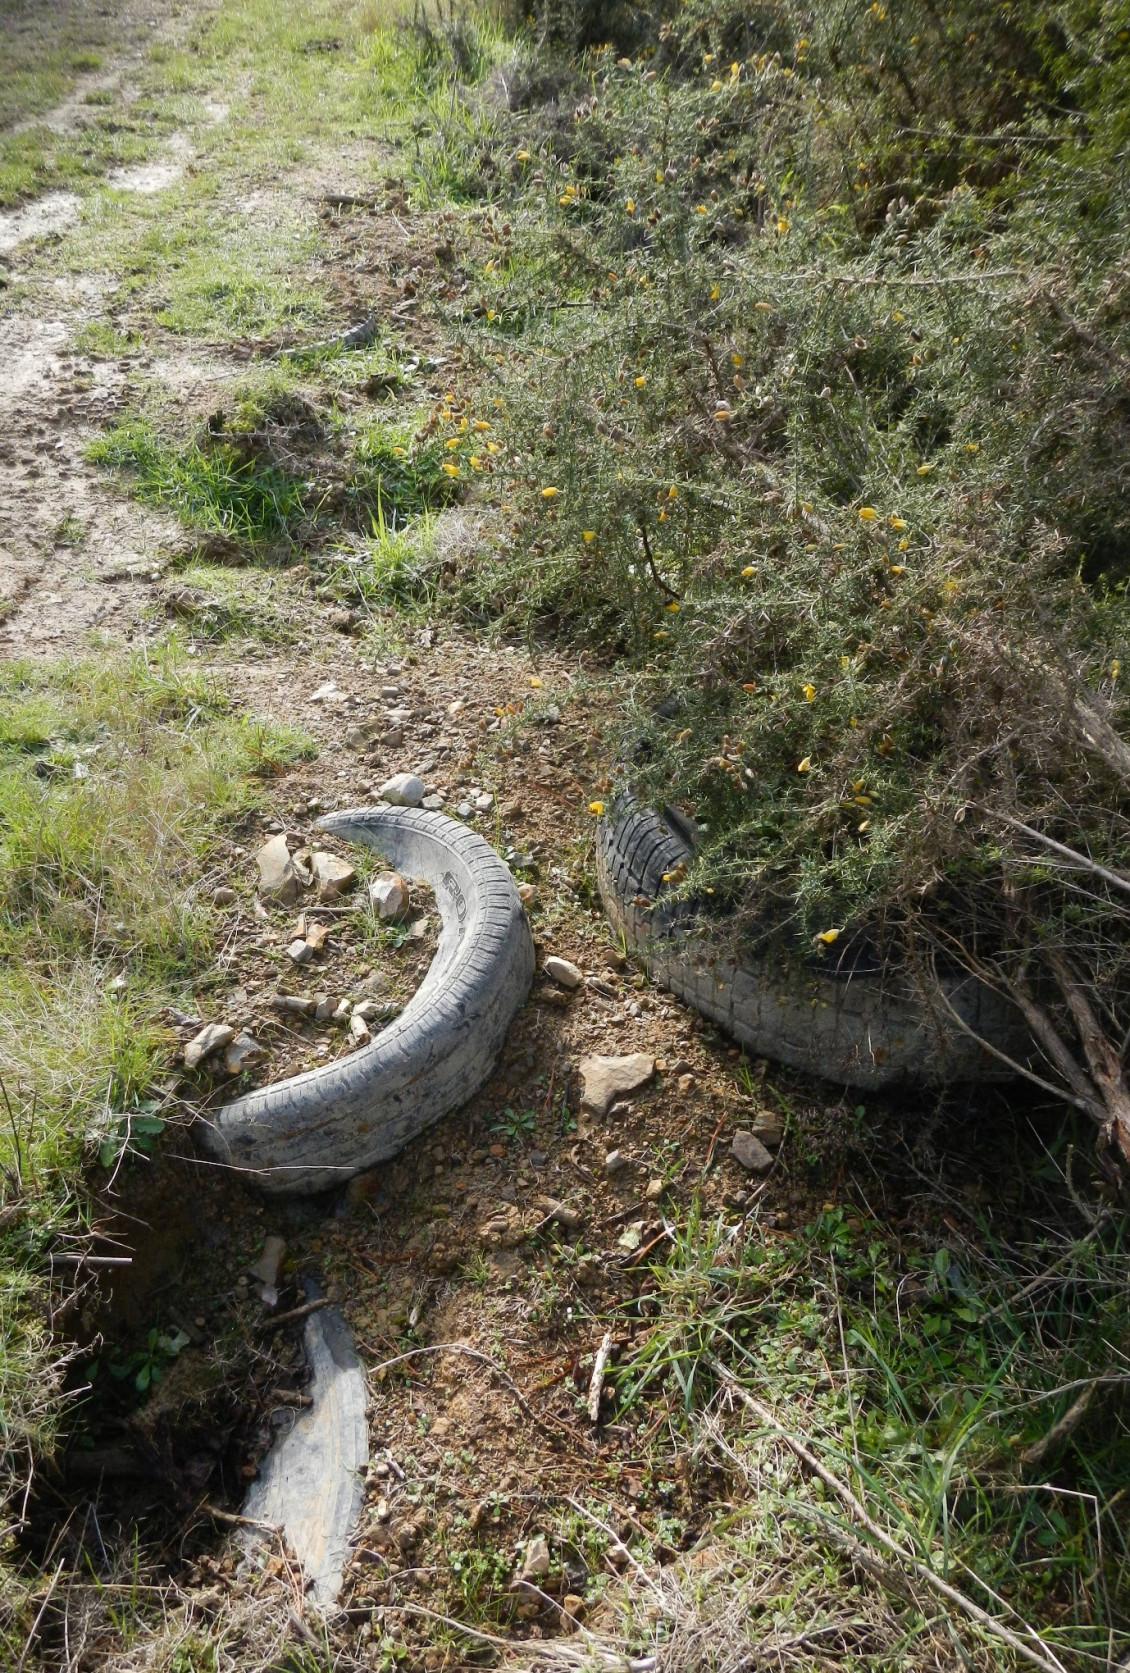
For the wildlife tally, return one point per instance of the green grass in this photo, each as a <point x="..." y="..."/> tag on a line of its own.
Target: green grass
<point x="920" y="1378"/>
<point x="116" y="779"/>
<point x="211" y="486"/>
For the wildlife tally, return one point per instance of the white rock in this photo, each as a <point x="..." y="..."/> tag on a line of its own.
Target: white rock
<point x="464" y="810"/>
<point x="564" y="973"/>
<point x="750" y="1152"/>
<point x="334" y="876"/>
<point x="535" y="1564"/>
<point x="214" y="1036"/>
<point x="244" y="1051"/>
<point x="615" y="1161"/>
<point x="484" y="801"/>
<point x="389" y="895"/>
<point x="343" y="1012"/>
<point x="434" y="804"/>
<point x="277" y="877"/>
<point x="368" y="1009"/>
<point x="604" y="1079"/>
<point x="403" y="790"/>
<point x="300" y="952"/>
<point x="359" y="1029"/>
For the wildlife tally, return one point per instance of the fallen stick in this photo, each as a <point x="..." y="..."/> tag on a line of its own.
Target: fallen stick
<point x="596" y="1381"/>
<point x="294" y="1314"/>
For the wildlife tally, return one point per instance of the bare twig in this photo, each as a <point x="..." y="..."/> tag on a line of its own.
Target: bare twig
<point x="1060" y="1430"/>
<point x="294" y="1314"/>
<point x="596" y="1382"/>
<point x="1081" y="860"/>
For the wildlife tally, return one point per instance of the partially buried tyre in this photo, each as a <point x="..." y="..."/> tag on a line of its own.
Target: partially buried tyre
<point x="321" y="1127"/>
<point x="846" y="1018"/>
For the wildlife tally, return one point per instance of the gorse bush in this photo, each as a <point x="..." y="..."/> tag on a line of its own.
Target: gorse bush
<point x="812" y="330"/>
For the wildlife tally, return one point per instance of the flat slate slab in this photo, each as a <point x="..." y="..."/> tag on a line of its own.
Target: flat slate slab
<point x="309" y="1484"/>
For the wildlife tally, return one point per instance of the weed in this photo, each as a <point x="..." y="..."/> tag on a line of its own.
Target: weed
<point x="115" y="780"/>
<point x="213" y="486"/>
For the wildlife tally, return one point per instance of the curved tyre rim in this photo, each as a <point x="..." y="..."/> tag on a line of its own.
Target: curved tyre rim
<point x="319" y="1128"/>
<point x="855" y="1023"/>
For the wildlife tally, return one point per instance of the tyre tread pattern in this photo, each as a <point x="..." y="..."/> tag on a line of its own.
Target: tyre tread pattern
<point x="861" y="1027"/>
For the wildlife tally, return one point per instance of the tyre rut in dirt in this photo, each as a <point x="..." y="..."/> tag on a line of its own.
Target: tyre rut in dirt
<point x="853" y="1022"/>
<point x="319" y="1128"/>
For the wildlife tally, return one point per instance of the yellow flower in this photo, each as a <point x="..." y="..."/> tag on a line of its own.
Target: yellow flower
<point x="809" y="693"/>
<point x="735" y="360"/>
<point x="973" y="447"/>
<point x="550" y="493"/>
<point x="596" y="808"/>
<point x="641" y="380"/>
<point x="1115" y="669"/>
<point x="867" y="513"/>
<point x="587" y="535"/>
<point x="829" y="935"/>
<point x="903" y="544"/>
<point x="897" y="569"/>
<point x="673" y="605"/>
<point x="662" y="516"/>
<point x="714" y="293"/>
<point x="630" y="206"/>
<point x="700" y="209"/>
<point x="763" y="308"/>
<point x="803" y="766"/>
<point x="708" y="57"/>
<point x="897" y="522"/>
<point x="523" y="156"/>
<point x="924" y="470"/>
<point x="535" y="682"/>
<point x="715" y="86"/>
<point x="490" y="315"/>
<point x="452" y="470"/>
<point x="782" y="224"/>
<point x="748" y="571"/>
<point x="452" y="441"/>
<point x="566" y="200"/>
<point x="722" y="414"/>
<point x="489" y="268"/>
<point x="476" y="462"/>
<point x="662" y="634"/>
<point x="493" y="447"/>
<point x="734" y="69"/>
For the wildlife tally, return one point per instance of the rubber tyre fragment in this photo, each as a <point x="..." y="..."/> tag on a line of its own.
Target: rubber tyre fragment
<point x="850" y="1021"/>
<point x="319" y="1128"/>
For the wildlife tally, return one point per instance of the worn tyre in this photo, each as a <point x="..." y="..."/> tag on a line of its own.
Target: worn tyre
<point x="846" y="1019"/>
<point x="323" y="1126"/>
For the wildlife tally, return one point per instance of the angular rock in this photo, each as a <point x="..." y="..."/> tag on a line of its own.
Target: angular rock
<point x="214" y="1036"/>
<point x="300" y="952"/>
<point x="389" y="895"/>
<point x="604" y="1079"/>
<point x="615" y="1161"/>
<point x="562" y="1214"/>
<point x="403" y="790"/>
<point x="266" y="1268"/>
<point x="564" y="973"/>
<point x="277" y="877"/>
<point x="769" y="1128"/>
<point x="484" y="801"/>
<point x="361" y="733"/>
<point x="333" y="876"/>
<point x="535" y="1564"/>
<point x="243" y="1052"/>
<point x="750" y="1152"/>
<point x="359" y="1029"/>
